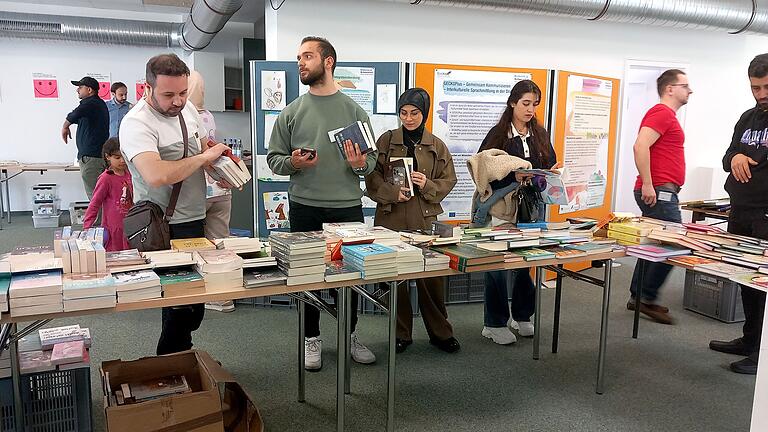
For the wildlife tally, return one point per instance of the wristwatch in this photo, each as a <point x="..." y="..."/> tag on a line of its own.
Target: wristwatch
<point x="360" y="170"/>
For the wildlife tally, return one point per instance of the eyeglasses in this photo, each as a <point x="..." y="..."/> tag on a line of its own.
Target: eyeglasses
<point x="685" y="86"/>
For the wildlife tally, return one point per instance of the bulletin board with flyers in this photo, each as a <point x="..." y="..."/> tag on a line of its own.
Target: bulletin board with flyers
<point x="375" y="86"/>
<point x="467" y="101"/>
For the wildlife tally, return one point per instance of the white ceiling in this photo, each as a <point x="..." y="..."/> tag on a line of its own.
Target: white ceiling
<point x="251" y="12"/>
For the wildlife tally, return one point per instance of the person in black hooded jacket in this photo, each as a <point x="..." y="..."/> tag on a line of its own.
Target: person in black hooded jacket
<point x="747" y="161"/>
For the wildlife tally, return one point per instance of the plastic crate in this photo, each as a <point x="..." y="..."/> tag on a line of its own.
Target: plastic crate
<point x="45" y="207"/>
<point x="45" y="191"/>
<point x="55" y="401"/>
<point x="77" y="212"/>
<point x="46" y="221"/>
<point x="465" y="288"/>
<point x="713" y="296"/>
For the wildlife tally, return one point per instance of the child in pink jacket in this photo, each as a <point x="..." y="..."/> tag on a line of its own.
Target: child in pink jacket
<point x="113" y="195"/>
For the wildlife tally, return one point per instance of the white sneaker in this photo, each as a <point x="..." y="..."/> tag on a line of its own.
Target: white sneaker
<point x="225" y="306"/>
<point x="500" y="335"/>
<point x="313" y="353"/>
<point x="360" y="353"/>
<point x="524" y="328"/>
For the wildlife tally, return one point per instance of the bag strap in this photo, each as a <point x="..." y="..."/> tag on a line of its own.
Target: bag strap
<point x="177" y="186"/>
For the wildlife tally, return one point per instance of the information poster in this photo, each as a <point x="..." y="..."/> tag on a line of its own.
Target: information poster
<point x="276" y="210"/>
<point x="272" y="90"/>
<point x="105" y="84"/>
<point x="466" y="105"/>
<point x="587" y="131"/>
<point x="358" y="83"/>
<point x="45" y="86"/>
<point x="141" y="85"/>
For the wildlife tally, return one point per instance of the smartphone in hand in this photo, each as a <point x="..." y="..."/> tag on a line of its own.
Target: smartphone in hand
<point x="312" y="153"/>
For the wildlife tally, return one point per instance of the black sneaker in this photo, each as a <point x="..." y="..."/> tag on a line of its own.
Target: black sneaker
<point x="736" y="346"/>
<point x="450" y="345"/>
<point x="746" y="366"/>
<point x="401" y="345"/>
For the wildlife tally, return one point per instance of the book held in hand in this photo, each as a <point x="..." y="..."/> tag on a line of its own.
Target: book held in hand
<point x="359" y="133"/>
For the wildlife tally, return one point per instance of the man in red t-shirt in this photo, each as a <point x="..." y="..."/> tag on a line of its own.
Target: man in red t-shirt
<point x="660" y="161"/>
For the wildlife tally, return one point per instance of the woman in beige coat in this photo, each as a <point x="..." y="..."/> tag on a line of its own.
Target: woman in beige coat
<point x="433" y="178"/>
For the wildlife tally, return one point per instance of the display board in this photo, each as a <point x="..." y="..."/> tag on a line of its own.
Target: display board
<point x="585" y="141"/>
<point x="375" y="86"/>
<point x="467" y="101"/>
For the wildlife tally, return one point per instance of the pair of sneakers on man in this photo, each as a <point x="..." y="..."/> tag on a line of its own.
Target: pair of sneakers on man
<point x="313" y="352"/>
<point x="504" y="335"/>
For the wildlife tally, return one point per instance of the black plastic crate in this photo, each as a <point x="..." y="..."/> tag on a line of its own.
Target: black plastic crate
<point x="55" y="401"/>
<point x="465" y="288"/>
<point x="713" y="296"/>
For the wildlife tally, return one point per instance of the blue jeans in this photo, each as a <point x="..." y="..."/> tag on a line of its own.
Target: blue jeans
<point x="481" y="209"/>
<point x="655" y="273"/>
<point x="523" y="297"/>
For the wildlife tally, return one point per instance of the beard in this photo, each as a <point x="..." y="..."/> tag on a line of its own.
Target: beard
<point x="762" y="104"/>
<point x="171" y="112"/>
<point x="313" y="77"/>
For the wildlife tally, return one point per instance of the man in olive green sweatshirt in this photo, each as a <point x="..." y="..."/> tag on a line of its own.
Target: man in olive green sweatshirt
<point x="324" y="186"/>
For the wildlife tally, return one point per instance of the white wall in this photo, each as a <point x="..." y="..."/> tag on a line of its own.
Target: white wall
<point x="32" y="128"/>
<point x="401" y="32"/>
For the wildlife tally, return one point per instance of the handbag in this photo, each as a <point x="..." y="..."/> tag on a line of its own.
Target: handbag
<point x="529" y="198"/>
<point x="146" y="225"/>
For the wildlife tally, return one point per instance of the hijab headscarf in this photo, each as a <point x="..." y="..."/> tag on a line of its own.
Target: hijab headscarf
<point x="419" y="98"/>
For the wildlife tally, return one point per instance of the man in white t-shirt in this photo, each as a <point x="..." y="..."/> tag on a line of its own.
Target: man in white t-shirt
<point x="152" y="144"/>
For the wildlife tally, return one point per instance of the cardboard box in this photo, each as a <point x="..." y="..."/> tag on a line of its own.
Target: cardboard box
<point x="217" y="403"/>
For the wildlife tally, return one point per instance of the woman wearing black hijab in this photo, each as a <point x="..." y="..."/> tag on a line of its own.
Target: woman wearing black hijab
<point x="433" y="178"/>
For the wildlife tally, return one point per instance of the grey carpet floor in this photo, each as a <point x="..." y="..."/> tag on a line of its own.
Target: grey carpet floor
<point x="667" y="380"/>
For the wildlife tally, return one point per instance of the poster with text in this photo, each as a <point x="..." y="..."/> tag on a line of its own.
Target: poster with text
<point x="587" y="131"/>
<point x="358" y="83"/>
<point x="467" y="104"/>
<point x="276" y="210"/>
<point x="105" y="84"/>
<point x="45" y="86"/>
<point x="273" y="90"/>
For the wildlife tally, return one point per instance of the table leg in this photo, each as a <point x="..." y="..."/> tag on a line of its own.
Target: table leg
<point x="18" y="408"/>
<point x="7" y="195"/>
<point x="604" y="325"/>
<point x="537" y="314"/>
<point x="392" y="354"/>
<point x="347" y="341"/>
<point x="300" y="348"/>
<point x="638" y="297"/>
<point x="558" y="298"/>
<point x="341" y="356"/>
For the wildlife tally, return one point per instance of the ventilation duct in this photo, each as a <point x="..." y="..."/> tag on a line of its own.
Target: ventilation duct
<point x="734" y="16"/>
<point x="205" y="20"/>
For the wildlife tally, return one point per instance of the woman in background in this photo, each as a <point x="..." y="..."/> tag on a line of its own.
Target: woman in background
<point x="519" y="134"/>
<point x="433" y="178"/>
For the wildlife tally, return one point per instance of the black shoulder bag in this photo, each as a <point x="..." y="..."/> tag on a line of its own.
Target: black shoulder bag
<point x="529" y="198"/>
<point x="145" y="225"/>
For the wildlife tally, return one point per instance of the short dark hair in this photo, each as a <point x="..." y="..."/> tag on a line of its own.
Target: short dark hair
<point x="758" y="67"/>
<point x="326" y="49"/>
<point x="165" y="64"/>
<point x="111" y="147"/>
<point x="667" y="78"/>
<point x="116" y="86"/>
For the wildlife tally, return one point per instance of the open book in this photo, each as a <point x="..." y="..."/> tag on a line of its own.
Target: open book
<point x="554" y="192"/>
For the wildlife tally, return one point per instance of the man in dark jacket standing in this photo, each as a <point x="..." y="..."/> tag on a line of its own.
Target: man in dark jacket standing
<point x="747" y="161"/>
<point x="92" y="120"/>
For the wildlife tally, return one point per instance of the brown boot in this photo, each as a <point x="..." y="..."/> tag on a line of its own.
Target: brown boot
<point x="660" y="308"/>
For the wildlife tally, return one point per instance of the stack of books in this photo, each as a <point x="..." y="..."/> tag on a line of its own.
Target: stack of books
<point x="180" y="280"/>
<point x="126" y="260"/>
<point x="300" y="255"/>
<point x="169" y="258"/>
<point x="49" y="337"/>
<point x="656" y="253"/>
<point x="359" y="133"/>
<point x="143" y="389"/>
<point x="137" y="285"/>
<point x="374" y="261"/>
<point x="594" y="247"/>
<point x="384" y="236"/>
<point x="467" y="257"/>
<point x="88" y="291"/>
<point x="221" y="269"/>
<point x="192" y="244"/>
<point x="631" y="233"/>
<point x="84" y="256"/>
<point x="68" y="355"/>
<point x="60" y="348"/>
<point x="239" y="244"/>
<point x="535" y="254"/>
<point x="261" y="277"/>
<point x="230" y="169"/>
<point x="410" y="259"/>
<point x="434" y="260"/>
<point x="337" y="271"/>
<point x="36" y="293"/>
